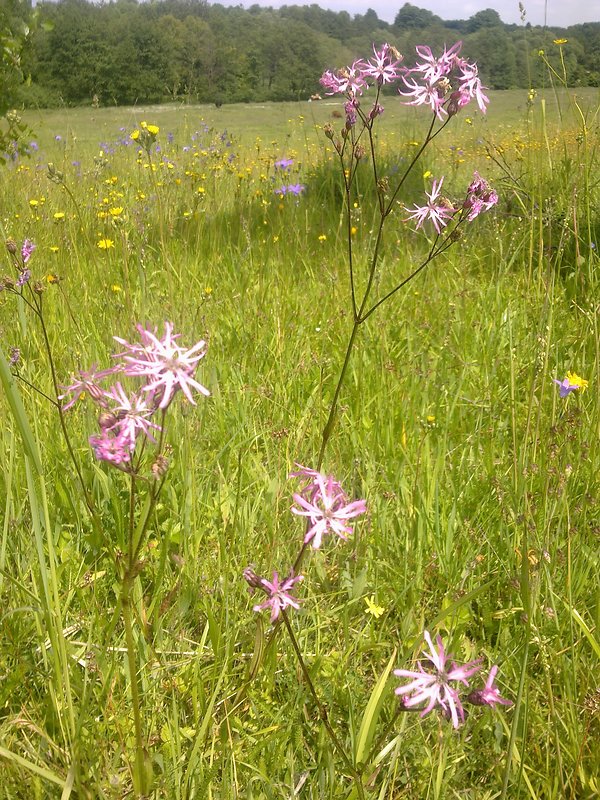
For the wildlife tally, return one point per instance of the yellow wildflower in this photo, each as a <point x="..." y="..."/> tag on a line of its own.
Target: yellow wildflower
<point x="372" y="608"/>
<point x="106" y="244"/>
<point x="575" y="380"/>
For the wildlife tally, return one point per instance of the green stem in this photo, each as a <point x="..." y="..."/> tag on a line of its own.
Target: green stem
<point x="139" y="774"/>
<point x="356" y="776"/>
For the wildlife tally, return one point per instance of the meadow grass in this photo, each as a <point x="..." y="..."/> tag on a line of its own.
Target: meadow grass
<point x="481" y="482"/>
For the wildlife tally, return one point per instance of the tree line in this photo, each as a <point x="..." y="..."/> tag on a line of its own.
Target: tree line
<point x="124" y="51"/>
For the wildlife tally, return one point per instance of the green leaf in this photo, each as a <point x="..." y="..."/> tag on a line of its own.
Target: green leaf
<point x="371" y="715"/>
<point x="18" y="411"/>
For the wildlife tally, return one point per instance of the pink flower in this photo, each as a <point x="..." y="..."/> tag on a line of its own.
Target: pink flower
<point x="469" y="83"/>
<point x="27" y="249"/>
<point x="427" y="94"/>
<point x="480" y="197"/>
<point x="131" y="414"/>
<point x="323" y="501"/>
<point x="490" y="694"/>
<point x="87" y="383"/>
<point x="438" y="212"/>
<point x="384" y="65"/>
<point x="114" y="449"/>
<point x="432" y="68"/>
<point x="166" y="366"/>
<point x="445" y="83"/>
<point x="431" y="684"/>
<point x="278" y="592"/>
<point x="348" y="80"/>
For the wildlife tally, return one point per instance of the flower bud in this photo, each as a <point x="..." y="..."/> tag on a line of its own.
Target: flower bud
<point x="11" y="246"/>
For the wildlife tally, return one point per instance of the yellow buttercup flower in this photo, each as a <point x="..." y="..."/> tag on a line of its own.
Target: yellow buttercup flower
<point x="105" y="244"/>
<point x="575" y="380"/>
<point x="372" y="607"/>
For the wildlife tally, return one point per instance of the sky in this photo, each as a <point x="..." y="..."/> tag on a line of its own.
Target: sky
<point x="554" y="13"/>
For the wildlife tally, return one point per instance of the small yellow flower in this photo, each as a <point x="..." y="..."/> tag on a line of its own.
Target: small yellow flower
<point x="431" y="419"/>
<point x="575" y="380"/>
<point x="353" y="230"/>
<point x="427" y="174"/>
<point x="560" y="41"/>
<point x="105" y="244"/>
<point x="116" y="211"/>
<point x="116" y="288"/>
<point x="208" y="290"/>
<point x="135" y="135"/>
<point x="33" y="203"/>
<point x="322" y="237"/>
<point x="372" y="608"/>
<point x="153" y="129"/>
<point x="52" y="278"/>
<point x="53" y="249"/>
<point x="58" y="215"/>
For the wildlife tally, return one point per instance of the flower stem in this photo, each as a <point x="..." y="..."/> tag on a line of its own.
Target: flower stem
<point x="356" y="776"/>
<point x="139" y="772"/>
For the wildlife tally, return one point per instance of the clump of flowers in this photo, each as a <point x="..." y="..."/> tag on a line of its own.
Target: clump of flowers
<point x="290" y="189"/>
<point x="440" y="211"/>
<point x="437" y="681"/>
<point x="572" y="383"/>
<point x="162" y="367"/>
<point x="325" y="505"/>
<point x="445" y="83"/>
<point x="20" y="257"/>
<point x="145" y="135"/>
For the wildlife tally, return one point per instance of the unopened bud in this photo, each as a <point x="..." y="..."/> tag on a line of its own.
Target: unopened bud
<point x="360" y="151"/>
<point x="160" y="465"/>
<point x="106" y="420"/>
<point x="253" y="580"/>
<point x="11" y="246"/>
<point x="383" y="186"/>
<point x="328" y="130"/>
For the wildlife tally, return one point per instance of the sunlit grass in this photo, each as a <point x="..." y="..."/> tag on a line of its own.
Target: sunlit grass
<point x="481" y="482"/>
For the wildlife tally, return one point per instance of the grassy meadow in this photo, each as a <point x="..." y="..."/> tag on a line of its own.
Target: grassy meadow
<point x="481" y="481"/>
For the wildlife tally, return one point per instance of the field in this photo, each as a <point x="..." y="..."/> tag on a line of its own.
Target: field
<point x="132" y="661"/>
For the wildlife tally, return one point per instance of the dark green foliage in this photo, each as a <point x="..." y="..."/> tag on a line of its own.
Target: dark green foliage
<point x="128" y="52"/>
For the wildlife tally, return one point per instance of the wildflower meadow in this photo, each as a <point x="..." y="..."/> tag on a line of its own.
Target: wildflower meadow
<point x="300" y="452"/>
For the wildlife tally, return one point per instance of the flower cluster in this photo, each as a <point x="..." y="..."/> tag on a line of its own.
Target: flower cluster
<point x="322" y="500"/>
<point x="439" y="210"/>
<point x="572" y="383"/>
<point x="145" y="135"/>
<point x="436" y="681"/>
<point x="164" y="369"/>
<point x="445" y="83"/>
<point x="290" y="189"/>
<point x="20" y="257"/>
<point x="353" y="80"/>
<point x="480" y="197"/>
